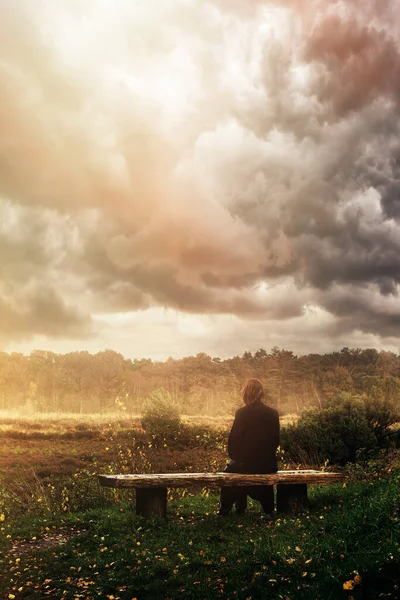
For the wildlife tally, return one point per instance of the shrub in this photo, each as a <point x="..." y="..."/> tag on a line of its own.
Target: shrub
<point x="161" y="415"/>
<point x="381" y="414"/>
<point x="336" y="434"/>
<point x="394" y="437"/>
<point x="381" y="410"/>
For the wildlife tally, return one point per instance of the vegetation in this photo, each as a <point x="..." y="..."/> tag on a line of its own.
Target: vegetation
<point x="80" y="382"/>
<point x="339" y="433"/>
<point x="348" y="545"/>
<point x="160" y="414"/>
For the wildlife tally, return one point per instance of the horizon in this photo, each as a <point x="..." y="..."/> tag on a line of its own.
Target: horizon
<point x="269" y="353"/>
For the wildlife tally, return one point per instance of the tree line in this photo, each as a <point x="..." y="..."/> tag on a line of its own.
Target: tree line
<point x="81" y="382"/>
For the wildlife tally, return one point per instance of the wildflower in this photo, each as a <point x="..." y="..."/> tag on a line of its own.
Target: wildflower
<point x="348" y="585"/>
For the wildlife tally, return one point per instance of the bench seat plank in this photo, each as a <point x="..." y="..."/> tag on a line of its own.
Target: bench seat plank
<point x="217" y="479"/>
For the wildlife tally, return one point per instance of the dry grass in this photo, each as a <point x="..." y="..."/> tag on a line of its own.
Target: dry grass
<point x="49" y="445"/>
<point x="52" y="445"/>
<point x="14" y="423"/>
<point x="58" y="422"/>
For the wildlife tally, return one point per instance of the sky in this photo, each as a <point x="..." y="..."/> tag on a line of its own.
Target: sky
<point x="184" y="176"/>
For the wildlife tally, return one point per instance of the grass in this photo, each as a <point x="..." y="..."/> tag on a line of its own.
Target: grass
<point x="48" y="483"/>
<point x="59" y="423"/>
<point x="350" y="538"/>
<point x="47" y="448"/>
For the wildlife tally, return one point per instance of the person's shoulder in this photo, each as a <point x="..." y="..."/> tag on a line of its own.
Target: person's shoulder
<point x="240" y="411"/>
<point x="271" y="411"/>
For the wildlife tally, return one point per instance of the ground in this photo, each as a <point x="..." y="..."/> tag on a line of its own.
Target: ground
<point x="61" y="536"/>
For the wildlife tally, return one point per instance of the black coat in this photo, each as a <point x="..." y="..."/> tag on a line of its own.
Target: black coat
<point x="254" y="438"/>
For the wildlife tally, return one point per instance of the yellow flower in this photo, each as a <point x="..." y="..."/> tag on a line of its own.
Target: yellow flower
<point x="2" y="517"/>
<point x="348" y="585"/>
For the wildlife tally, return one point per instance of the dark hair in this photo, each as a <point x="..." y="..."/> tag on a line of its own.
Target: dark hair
<point x="253" y="391"/>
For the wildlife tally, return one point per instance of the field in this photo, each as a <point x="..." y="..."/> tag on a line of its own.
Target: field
<point x="66" y="538"/>
<point x="48" y="445"/>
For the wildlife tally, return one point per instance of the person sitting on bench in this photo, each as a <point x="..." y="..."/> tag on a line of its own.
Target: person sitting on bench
<point x="252" y="445"/>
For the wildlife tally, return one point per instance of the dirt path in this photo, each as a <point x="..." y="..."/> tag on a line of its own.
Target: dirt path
<point x="49" y="540"/>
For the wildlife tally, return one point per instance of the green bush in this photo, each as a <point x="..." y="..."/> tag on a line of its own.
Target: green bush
<point x="337" y="434"/>
<point x="381" y="415"/>
<point x="381" y="411"/>
<point x="394" y="437"/>
<point x="161" y="415"/>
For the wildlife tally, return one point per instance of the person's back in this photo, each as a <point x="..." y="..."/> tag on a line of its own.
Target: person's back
<point x="255" y="437"/>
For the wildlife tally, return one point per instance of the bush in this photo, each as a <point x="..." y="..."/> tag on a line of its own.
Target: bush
<point x="381" y="411"/>
<point x="381" y="415"/>
<point x="336" y="434"/>
<point x="161" y="415"/>
<point x="394" y="437"/>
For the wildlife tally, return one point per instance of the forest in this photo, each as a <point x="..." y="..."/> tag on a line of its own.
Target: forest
<point x="80" y="382"/>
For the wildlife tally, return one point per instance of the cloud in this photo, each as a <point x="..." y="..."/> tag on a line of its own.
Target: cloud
<point x="41" y="311"/>
<point x="242" y="159"/>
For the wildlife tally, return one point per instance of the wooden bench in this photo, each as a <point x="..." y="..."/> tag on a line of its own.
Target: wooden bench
<point x="151" y="490"/>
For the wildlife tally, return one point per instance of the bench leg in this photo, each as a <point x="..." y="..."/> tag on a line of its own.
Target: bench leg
<point x="151" y="502"/>
<point x="291" y="497"/>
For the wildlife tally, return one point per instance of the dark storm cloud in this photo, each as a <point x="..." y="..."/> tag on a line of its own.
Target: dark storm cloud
<point x="147" y="285"/>
<point x="243" y="160"/>
<point x="362" y="62"/>
<point x="42" y="312"/>
<point x="36" y="247"/>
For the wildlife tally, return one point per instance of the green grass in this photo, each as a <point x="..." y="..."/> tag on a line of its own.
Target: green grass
<point x="195" y="554"/>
